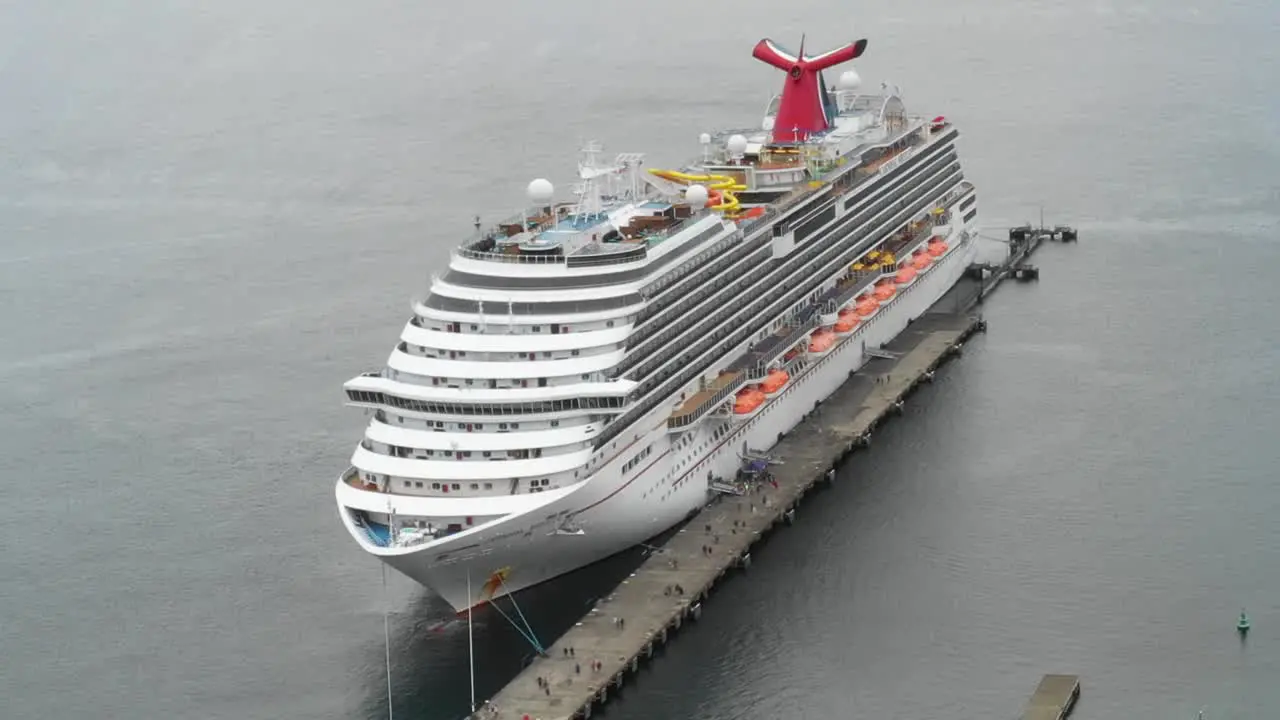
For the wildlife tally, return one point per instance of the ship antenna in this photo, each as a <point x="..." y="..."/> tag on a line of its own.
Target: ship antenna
<point x="471" y="652"/>
<point x="386" y="635"/>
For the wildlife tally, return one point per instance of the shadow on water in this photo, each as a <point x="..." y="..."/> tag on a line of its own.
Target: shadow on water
<point x="430" y="675"/>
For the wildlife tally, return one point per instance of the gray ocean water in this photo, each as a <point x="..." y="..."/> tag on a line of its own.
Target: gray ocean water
<point x="212" y="214"/>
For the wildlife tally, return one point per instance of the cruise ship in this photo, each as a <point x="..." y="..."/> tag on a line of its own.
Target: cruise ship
<point x="590" y="370"/>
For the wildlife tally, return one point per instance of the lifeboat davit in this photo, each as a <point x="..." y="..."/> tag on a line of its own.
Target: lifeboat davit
<point x="867" y="307"/>
<point x="821" y="341"/>
<point x="774" y="381"/>
<point x="905" y="275"/>
<point x="748" y="400"/>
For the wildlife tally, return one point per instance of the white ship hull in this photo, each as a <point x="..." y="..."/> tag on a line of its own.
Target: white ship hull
<point x="613" y="510"/>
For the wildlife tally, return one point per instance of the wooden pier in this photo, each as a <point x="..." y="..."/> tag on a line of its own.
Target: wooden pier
<point x="669" y="588"/>
<point x="1054" y="698"/>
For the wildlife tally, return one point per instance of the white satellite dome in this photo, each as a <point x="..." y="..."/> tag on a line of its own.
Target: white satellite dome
<point x="540" y="191"/>
<point x="696" y="196"/>
<point x="849" y="80"/>
<point x="704" y="138"/>
<point x="737" y="146"/>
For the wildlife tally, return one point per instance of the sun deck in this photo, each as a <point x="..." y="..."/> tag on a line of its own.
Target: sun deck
<point x="622" y="235"/>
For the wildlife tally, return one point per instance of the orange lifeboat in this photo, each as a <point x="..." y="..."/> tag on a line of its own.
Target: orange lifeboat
<point x="905" y="275"/>
<point x="937" y="248"/>
<point x="867" y="307"/>
<point x="774" y="381"/>
<point x="921" y="261"/>
<point x="847" y="323"/>
<point x="748" y="400"/>
<point x="885" y="291"/>
<point x="821" y="341"/>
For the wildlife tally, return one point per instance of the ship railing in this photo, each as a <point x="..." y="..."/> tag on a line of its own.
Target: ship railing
<point x="468" y="252"/>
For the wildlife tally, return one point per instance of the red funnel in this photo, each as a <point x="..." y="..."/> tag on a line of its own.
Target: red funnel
<point x="803" y="110"/>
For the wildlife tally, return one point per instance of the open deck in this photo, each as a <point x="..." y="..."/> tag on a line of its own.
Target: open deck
<point x="716" y="392"/>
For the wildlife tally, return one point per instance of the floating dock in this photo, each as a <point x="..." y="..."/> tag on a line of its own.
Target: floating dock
<point x="1054" y="698"/>
<point x="592" y="660"/>
<point x="1023" y="242"/>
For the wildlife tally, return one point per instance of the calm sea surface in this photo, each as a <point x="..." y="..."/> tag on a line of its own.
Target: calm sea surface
<point x="211" y="214"/>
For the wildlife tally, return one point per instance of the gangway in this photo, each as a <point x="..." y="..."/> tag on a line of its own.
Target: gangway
<point x="882" y="354"/>
<point x="727" y="488"/>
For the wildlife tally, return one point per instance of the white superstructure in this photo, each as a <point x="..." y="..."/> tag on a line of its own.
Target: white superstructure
<point x="583" y="371"/>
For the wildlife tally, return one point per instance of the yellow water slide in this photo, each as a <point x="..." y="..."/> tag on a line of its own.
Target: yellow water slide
<point x="721" y="185"/>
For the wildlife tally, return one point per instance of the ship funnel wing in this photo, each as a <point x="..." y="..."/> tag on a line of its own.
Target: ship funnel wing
<point x="803" y="110"/>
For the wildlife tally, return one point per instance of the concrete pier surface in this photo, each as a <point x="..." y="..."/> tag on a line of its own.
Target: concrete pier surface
<point x="1054" y="698"/>
<point x="624" y="628"/>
